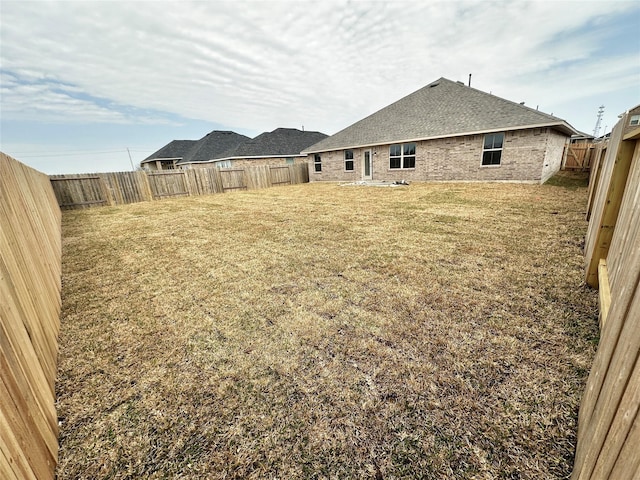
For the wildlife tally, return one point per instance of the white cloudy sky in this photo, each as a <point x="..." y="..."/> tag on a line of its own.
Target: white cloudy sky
<point x="83" y="81"/>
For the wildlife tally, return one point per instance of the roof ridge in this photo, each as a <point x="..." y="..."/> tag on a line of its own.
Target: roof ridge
<point x="441" y="108"/>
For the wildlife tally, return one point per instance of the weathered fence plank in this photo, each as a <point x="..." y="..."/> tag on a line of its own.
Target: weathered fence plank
<point x="596" y="170"/>
<point x="118" y="188"/>
<point x="577" y="156"/>
<point x="233" y="179"/>
<point x="168" y="184"/>
<point x="607" y="200"/>
<point x="280" y="175"/>
<point x="30" y="285"/>
<point x="608" y="423"/>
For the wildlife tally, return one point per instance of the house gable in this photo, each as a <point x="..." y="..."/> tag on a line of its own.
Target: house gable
<point x="281" y="142"/>
<point x="439" y="110"/>
<point x="172" y="151"/>
<point x="281" y="146"/>
<point x="212" y="146"/>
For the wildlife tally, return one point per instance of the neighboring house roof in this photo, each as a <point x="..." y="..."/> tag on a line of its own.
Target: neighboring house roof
<point x="174" y="150"/>
<point x="282" y="142"/>
<point x="633" y="110"/>
<point x="212" y="145"/>
<point x="443" y="108"/>
<point x="582" y="135"/>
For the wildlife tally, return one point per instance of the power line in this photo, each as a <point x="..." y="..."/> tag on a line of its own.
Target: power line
<point x="73" y="152"/>
<point x="95" y="152"/>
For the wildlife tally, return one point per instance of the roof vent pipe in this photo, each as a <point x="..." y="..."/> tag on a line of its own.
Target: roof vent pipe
<point x="469" y="79"/>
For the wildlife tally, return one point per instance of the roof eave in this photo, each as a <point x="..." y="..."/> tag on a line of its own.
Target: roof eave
<point x="147" y="160"/>
<point x="564" y="127"/>
<point x="244" y="157"/>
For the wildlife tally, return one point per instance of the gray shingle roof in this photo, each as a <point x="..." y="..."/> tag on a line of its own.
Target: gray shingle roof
<point x="173" y="149"/>
<point x="280" y="142"/>
<point x="212" y="145"/>
<point x="441" y="109"/>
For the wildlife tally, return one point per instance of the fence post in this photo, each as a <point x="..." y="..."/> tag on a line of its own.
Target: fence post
<point x="614" y="177"/>
<point x="145" y="186"/>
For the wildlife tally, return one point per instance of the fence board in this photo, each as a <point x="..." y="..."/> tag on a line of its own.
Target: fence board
<point x="596" y="170"/>
<point x="233" y="179"/>
<point x="118" y="188"/>
<point x="30" y="268"/>
<point x="577" y="156"/>
<point x="624" y="414"/>
<point x="606" y="205"/>
<point x="608" y="423"/>
<point x="280" y="175"/>
<point x="168" y="184"/>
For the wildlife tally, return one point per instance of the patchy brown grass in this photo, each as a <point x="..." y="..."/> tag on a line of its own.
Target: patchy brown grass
<point x="319" y="331"/>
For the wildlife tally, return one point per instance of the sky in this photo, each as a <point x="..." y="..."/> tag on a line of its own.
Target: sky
<point x="88" y="86"/>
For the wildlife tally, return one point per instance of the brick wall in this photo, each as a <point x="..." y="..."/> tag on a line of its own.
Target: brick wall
<point x="528" y="155"/>
<point x="251" y="162"/>
<point x="553" y="156"/>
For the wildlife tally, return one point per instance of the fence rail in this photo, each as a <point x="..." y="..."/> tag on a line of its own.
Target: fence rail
<point x="30" y="268"/>
<point x="609" y="420"/>
<point x="118" y="188"/>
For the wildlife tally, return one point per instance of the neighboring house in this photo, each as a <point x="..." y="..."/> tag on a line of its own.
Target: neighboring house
<point x="445" y="131"/>
<point x="280" y="147"/>
<point x="178" y="152"/>
<point x="582" y="137"/>
<point x="210" y="147"/>
<point x="634" y="120"/>
<point x="167" y="157"/>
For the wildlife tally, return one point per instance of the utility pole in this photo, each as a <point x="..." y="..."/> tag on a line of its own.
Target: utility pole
<point x="596" y="130"/>
<point x="133" y="169"/>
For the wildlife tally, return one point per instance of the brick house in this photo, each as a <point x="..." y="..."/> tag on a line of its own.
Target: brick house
<point x="634" y="120"/>
<point x="225" y="149"/>
<point x="168" y="156"/>
<point x="180" y="152"/>
<point x="279" y="147"/>
<point x="445" y="131"/>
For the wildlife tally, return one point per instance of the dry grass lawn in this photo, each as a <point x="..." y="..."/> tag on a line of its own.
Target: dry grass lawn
<point x="319" y="331"/>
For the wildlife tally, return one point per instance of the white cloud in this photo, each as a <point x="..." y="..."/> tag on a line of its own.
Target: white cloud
<point x="262" y="65"/>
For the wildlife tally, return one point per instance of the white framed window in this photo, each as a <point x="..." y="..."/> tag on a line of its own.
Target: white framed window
<point x="402" y="155"/>
<point x="348" y="160"/>
<point x="317" y="162"/>
<point x="635" y="120"/>
<point x="492" y="149"/>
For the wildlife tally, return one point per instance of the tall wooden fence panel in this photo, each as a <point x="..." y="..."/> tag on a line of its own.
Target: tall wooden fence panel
<point x="205" y="181"/>
<point x="280" y="175"/>
<point x="578" y="156"/>
<point x="609" y="420"/>
<point x="168" y="184"/>
<point x="126" y="187"/>
<point x="88" y="187"/>
<point x="118" y="188"/>
<point x="233" y="179"/>
<point x="599" y="152"/>
<point x="30" y="268"/>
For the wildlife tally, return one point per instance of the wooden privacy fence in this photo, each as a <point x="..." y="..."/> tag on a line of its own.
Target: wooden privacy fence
<point x="609" y="421"/>
<point x="577" y="156"/>
<point x="30" y="268"/>
<point x="89" y="190"/>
